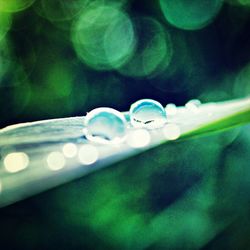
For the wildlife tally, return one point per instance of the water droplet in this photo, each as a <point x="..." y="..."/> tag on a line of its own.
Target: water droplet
<point x="15" y="162"/>
<point x="88" y="154"/>
<point x="56" y="161"/>
<point x="148" y="114"/>
<point x="193" y="105"/>
<point x="171" y="131"/>
<point x="138" y="138"/>
<point x="105" y="125"/>
<point x="171" y="109"/>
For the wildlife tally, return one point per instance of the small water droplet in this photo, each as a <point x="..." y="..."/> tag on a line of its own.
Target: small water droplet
<point x="148" y="114"/>
<point x="193" y="105"/>
<point x="106" y="126"/>
<point x="171" y="109"/>
<point x="171" y="131"/>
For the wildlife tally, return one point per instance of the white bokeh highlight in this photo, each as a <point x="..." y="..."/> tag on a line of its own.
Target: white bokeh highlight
<point x="88" y="154"/>
<point x="138" y="138"/>
<point x="16" y="161"/>
<point x="171" y="131"/>
<point x="56" y="161"/>
<point x="69" y="150"/>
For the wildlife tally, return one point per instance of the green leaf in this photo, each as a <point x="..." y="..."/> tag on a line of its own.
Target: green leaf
<point x="230" y="114"/>
<point x="38" y="139"/>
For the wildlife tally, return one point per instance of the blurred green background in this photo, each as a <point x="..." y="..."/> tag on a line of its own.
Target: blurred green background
<point x="62" y="58"/>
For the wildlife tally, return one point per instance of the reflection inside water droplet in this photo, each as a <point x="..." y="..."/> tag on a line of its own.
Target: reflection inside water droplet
<point x="148" y="114"/>
<point x="105" y="125"/>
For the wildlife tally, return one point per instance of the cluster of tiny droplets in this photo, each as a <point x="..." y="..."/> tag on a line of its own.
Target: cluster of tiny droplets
<point x="109" y="126"/>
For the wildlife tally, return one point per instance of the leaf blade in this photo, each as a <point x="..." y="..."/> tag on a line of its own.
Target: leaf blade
<point x="40" y="138"/>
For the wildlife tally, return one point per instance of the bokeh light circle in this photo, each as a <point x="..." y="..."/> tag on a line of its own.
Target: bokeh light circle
<point x="56" y="161"/>
<point x="60" y="10"/>
<point x="153" y="50"/>
<point x="242" y="82"/>
<point x="15" y="5"/>
<point x="5" y="24"/>
<point x="103" y="37"/>
<point x="88" y="154"/>
<point x="190" y="15"/>
<point x="138" y="138"/>
<point x="16" y="161"/>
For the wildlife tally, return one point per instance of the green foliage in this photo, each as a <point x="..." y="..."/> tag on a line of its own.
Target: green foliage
<point x="62" y="58"/>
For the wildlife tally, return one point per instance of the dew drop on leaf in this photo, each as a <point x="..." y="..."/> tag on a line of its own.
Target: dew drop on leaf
<point x="147" y="113"/>
<point x="106" y="126"/>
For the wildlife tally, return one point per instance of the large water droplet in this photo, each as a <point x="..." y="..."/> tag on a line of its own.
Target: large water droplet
<point x="147" y="113"/>
<point x="106" y="126"/>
